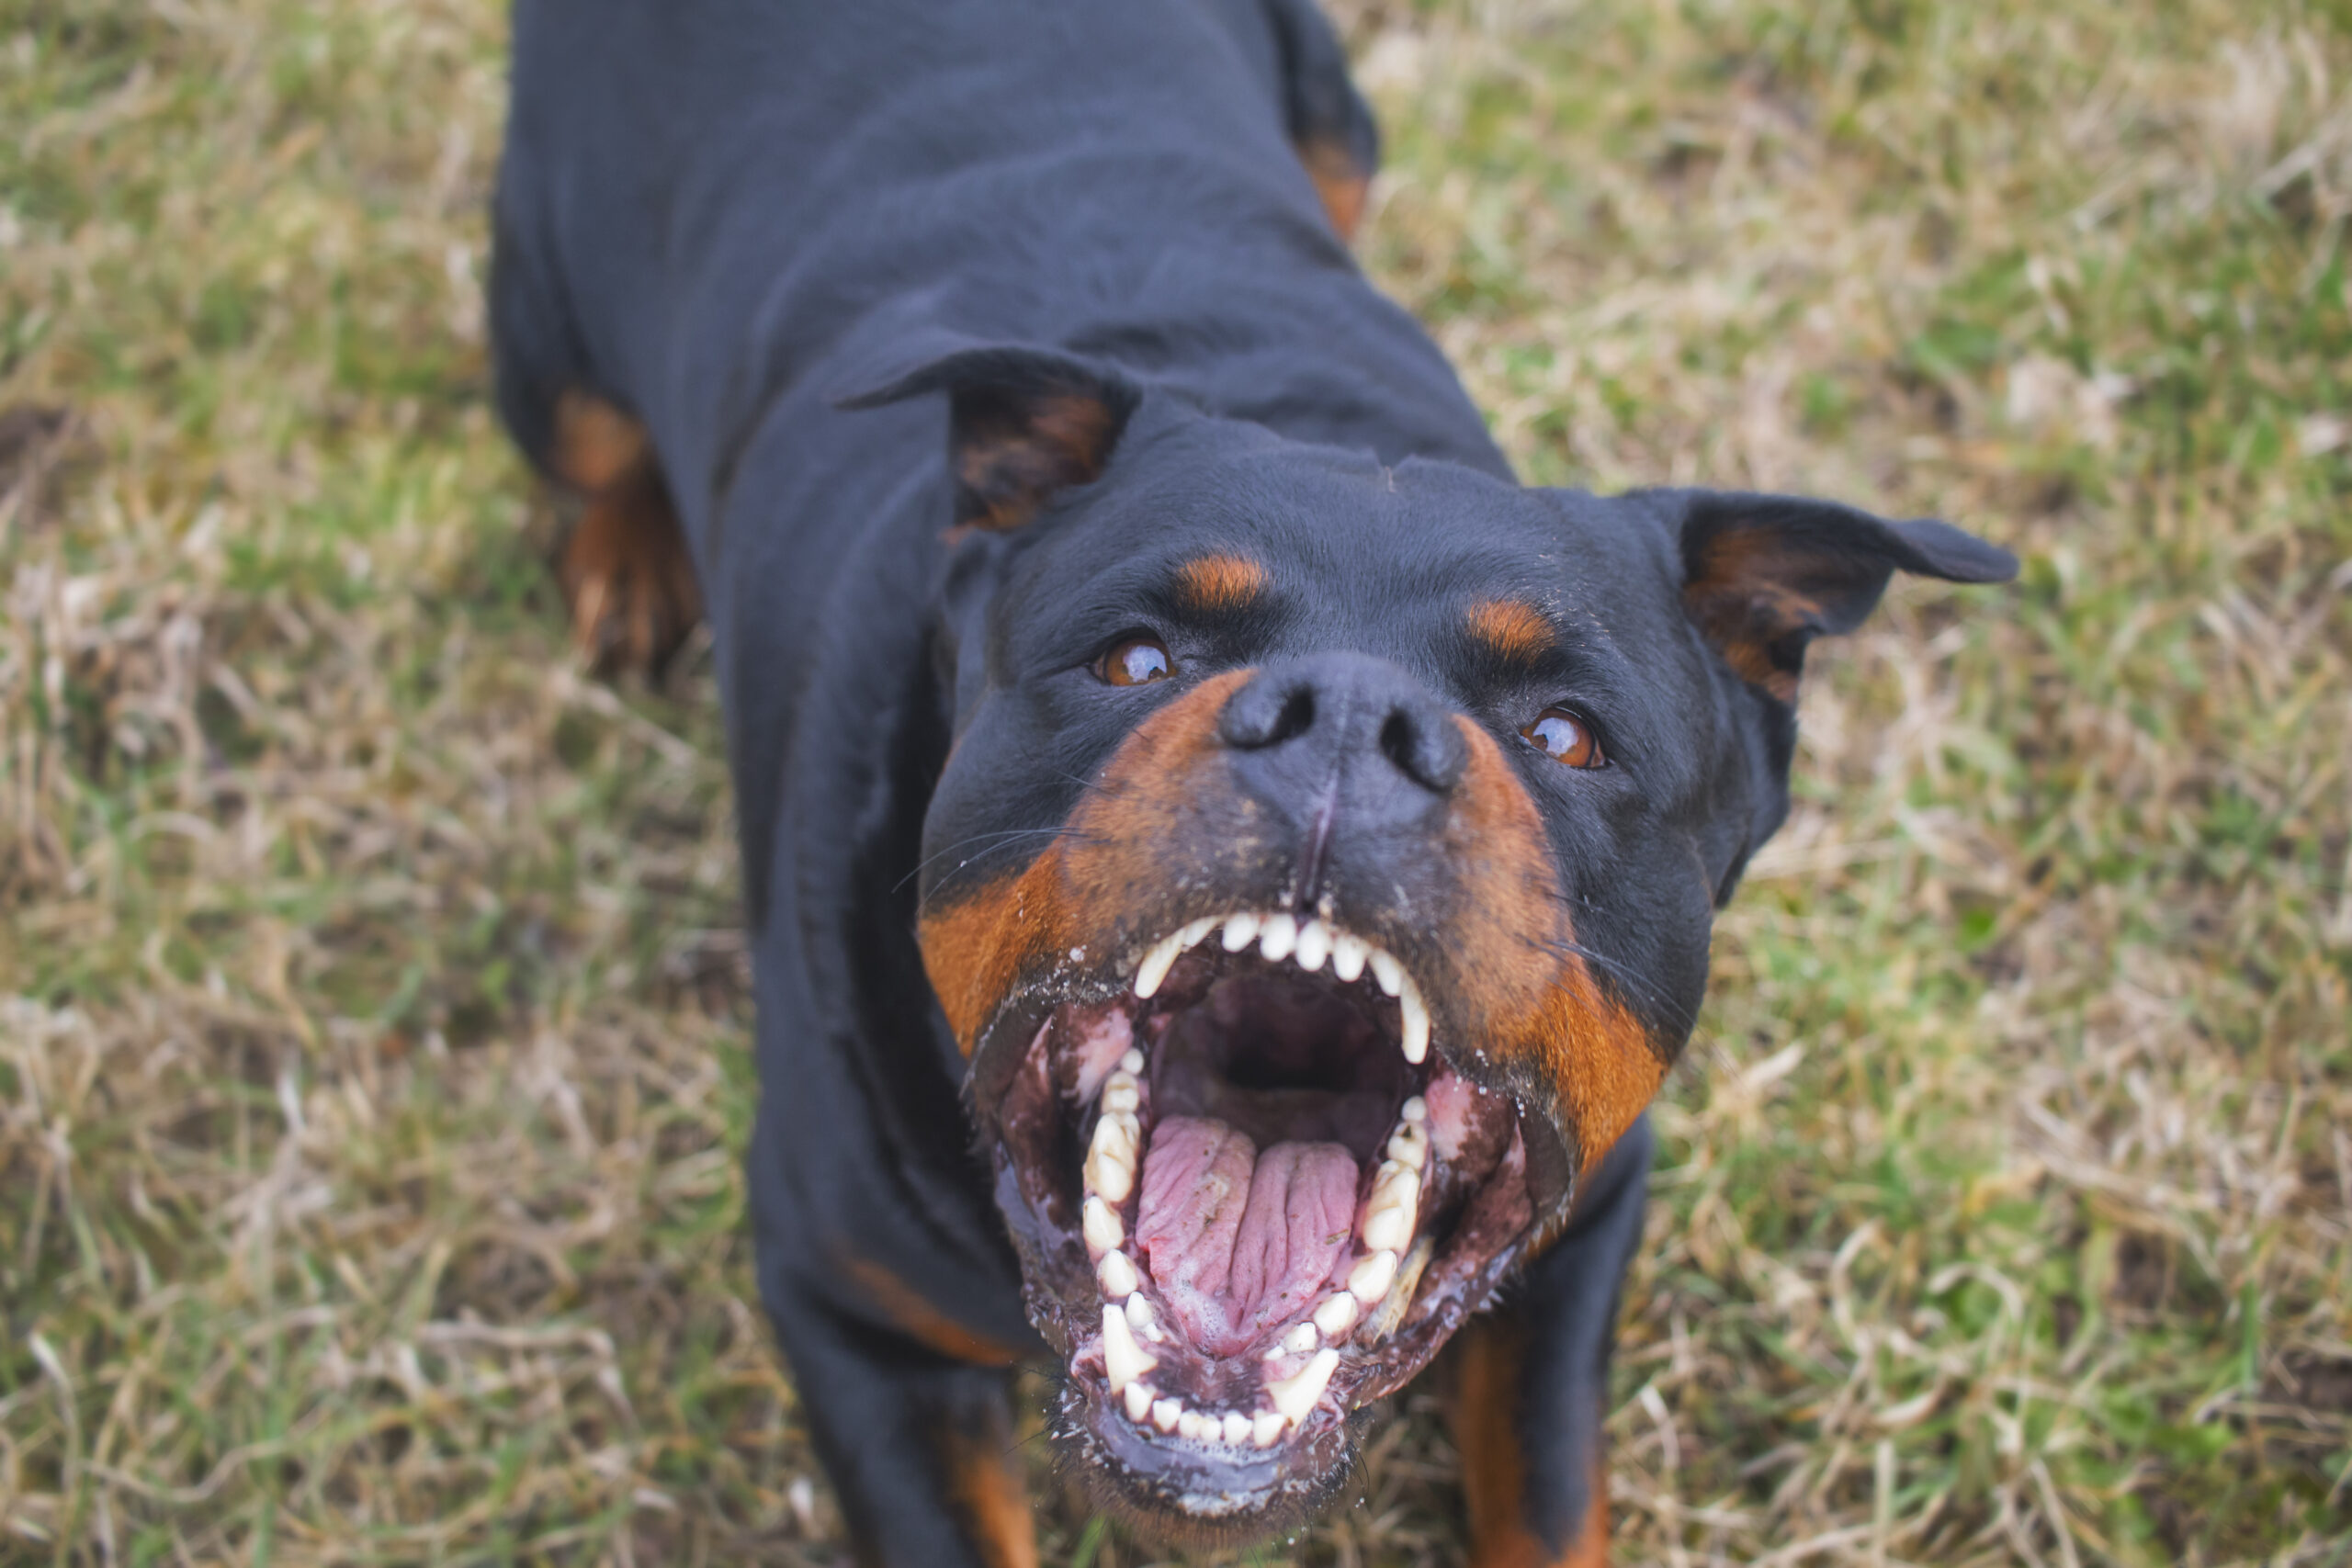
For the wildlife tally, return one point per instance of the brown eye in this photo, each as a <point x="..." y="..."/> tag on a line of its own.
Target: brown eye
<point x="1135" y="662"/>
<point x="1563" y="737"/>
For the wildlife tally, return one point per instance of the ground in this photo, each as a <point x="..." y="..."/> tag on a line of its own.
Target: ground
<point x="372" y="1015"/>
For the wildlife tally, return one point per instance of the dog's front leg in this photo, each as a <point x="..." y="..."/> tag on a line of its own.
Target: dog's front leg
<point x="920" y="1447"/>
<point x="1531" y="1384"/>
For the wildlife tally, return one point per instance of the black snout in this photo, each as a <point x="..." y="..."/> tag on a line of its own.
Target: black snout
<point x="1343" y="745"/>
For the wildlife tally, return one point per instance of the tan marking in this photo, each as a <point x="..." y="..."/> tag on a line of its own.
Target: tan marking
<point x="1512" y="628"/>
<point x="915" y="1315"/>
<point x="1214" y="583"/>
<point x="1339" y="180"/>
<point x="990" y="1495"/>
<point x="624" y="568"/>
<point x="1010" y="470"/>
<point x="1489" y="1372"/>
<point x="1741" y="602"/>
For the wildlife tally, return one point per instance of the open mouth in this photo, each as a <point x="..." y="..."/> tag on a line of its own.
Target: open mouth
<point x="1253" y="1195"/>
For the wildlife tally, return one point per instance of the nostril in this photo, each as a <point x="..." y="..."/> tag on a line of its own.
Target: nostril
<point x="1424" y="748"/>
<point x="1297" y="716"/>
<point x="1267" y="713"/>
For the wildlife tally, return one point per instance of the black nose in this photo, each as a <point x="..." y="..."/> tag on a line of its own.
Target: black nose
<point x="1345" y="723"/>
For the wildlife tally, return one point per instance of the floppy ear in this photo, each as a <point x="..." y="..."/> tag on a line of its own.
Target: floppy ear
<point x="1763" y="575"/>
<point x="1023" y="425"/>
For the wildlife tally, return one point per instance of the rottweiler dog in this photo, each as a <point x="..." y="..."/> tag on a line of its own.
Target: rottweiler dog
<point x="1228" y="865"/>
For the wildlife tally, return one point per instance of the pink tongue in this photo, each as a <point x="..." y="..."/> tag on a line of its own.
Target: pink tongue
<point x="1238" y="1241"/>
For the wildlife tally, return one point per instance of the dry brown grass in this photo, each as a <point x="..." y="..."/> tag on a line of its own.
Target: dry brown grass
<point x="372" y="1022"/>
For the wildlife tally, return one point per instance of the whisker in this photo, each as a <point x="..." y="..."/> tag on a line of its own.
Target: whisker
<point x="996" y="840"/>
<point x="1651" y="994"/>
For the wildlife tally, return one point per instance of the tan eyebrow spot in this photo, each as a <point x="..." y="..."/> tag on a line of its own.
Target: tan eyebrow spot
<point x="1220" y="582"/>
<point x="1512" y="627"/>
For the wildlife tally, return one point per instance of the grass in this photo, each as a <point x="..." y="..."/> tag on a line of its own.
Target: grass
<point x="372" y="1012"/>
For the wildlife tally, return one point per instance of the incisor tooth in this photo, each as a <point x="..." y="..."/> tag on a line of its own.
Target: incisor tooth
<point x="1314" y="945"/>
<point x="1241" y="931"/>
<point x="1417" y="1024"/>
<point x="1335" y="1315"/>
<point x="1277" y="934"/>
<point x="1193" y="1425"/>
<point x="1236" y="1428"/>
<point x="1124" y="1360"/>
<point x="1348" y="956"/>
<point x="1266" y="1427"/>
<point x="1386" y="971"/>
<point x="1157" y="963"/>
<point x="1100" y="1224"/>
<point x="1296" y="1395"/>
<point x="1118" y="1275"/>
<point x="1368" y="1282"/>
<point x="1301" y="1339"/>
<point x="1165" y="1413"/>
<point x="1138" y="1398"/>
<point x="1139" y="1314"/>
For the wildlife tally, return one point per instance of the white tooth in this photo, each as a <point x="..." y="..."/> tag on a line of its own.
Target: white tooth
<point x="1122" y="1094"/>
<point x="1124" y="1360"/>
<point x="1416" y="1110"/>
<point x="1392" y="1310"/>
<point x="1157" y="963"/>
<point x="1314" y="945"/>
<point x="1132" y="1062"/>
<point x="1138" y="1398"/>
<point x="1111" y="1159"/>
<point x="1277" y="934"/>
<point x="1241" y="931"/>
<point x="1388" y="1218"/>
<point x="1348" y="956"/>
<point x="1267" y="1428"/>
<point x="1370" y="1279"/>
<point x="1194" y="1425"/>
<point x="1410" y="1144"/>
<point x="1335" y="1315"/>
<point x="1165" y="1413"/>
<point x="1302" y="1339"/>
<point x="1296" y="1395"/>
<point x="1139" y="1314"/>
<point x="1100" y="1224"/>
<point x="1236" y="1428"/>
<point x="1192" y="933"/>
<point x="1417" y="1024"/>
<point x="1118" y="1275"/>
<point x="1387" y="971"/>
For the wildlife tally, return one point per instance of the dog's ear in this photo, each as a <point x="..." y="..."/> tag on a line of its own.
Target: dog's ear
<point x="1763" y="575"/>
<point x="1024" y="424"/>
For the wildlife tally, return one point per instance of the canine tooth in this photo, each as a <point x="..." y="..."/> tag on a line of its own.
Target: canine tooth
<point x="1409" y="1143"/>
<point x="1157" y="963"/>
<point x="1100" y="1222"/>
<point x="1132" y="1062"/>
<point x="1241" y="931"/>
<point x="1277" y="934"/>
<point x="1302" y="1339"/>
<point x="1348" y="956"/>
<point x="1296" y="1395"/>
<point x="1335" y="1315"/>
<point x="1314" y="945"/>
<point x="1416" y="1110"/>
<point x="1111" y="1158"/>
<point x="1122" y="1093"/>
<point x="1194" y="1425"/>
<point x="1369" y="1280"/>
<point x="1396" y="1197"/>
<point x="1236" y="1428"/>
<point x="1192" y="933"/>
<point x="1138" y="1398"/>
<point x="1386" y="971"/>
<point x="1124" y="1360"/>
<point x="1267" y="1426"/>
<point x="1118" y="1275"/>
<point x="1165" y="1413"/>
<point x="1139" y="1312"/>
<point x="1415" y="1015"/>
